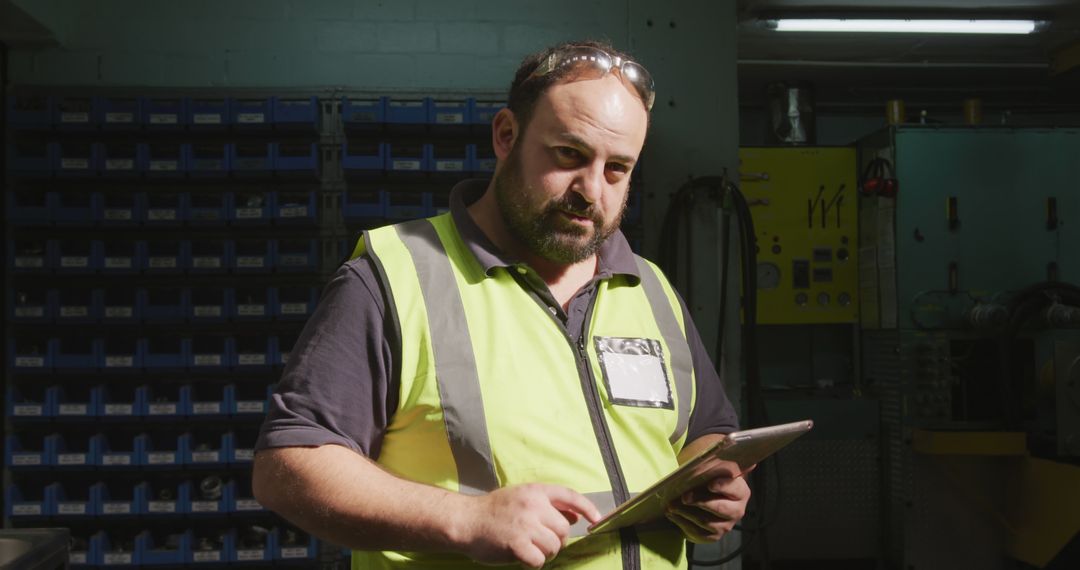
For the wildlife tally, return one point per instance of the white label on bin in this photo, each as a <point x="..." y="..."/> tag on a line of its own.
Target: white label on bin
<point x="29" y="362"/>
<point x="250" y="261"/>
<point x="119" y="312"/>
<point x="294" y="260"/>
<point x="207" y="360"/>
<point x="71" y="459"/>
<point x="207" y="556"/>
<point x="406" y="103"/>
<point x="250" y="407"/>
<point x="163" y="118"/>
<point x="161" y="506"/>
<point x="244" y="454"/>
<point x="163" y="263"/>
<point x="117" y="508"/>
<point x="204" y="506"/>
<point x="449" y="118"/>
<point x="118" y="214"/>
<point x="250" y="118"/>
<point x="162" y="409"/>
<point x="29" y="312"/>
<point x="74" y="163"/>
<point x="24" y="459"/>
<point x="26" y="510"/>
<point x="71" y="311"/>
<point x="119" y="164"/>
<point x="294" y="212"/>
<point x="71" y="508"/>
<point x="450" y="165"/>
<point x="251" y="310"/>
<point x="73" y="409"/>
<point x="161" y="458"/>
<point x="74" y="261"/>
<point x="74" y="117"/>
<point x="208" y="311"/>
<point x="161" y="214"/>
<point x="206" y="407"/>
<point x="249" y="555"/>
<point x="206" y="456"/>
<point x="294" y="552"/>
<point x="119" y="361"/>
<point x="252" y="359"/>
<point x="406" y="165"/>
<point x="248" y="505"/>
<point x="118" y="558"/>
<point x="29" y="410"/>
<point x="118" y="459"/>
<point x="206" y="262"/>
<point x="294" y="308"/>
<point x="118" y="263"/>
<point x="284" y="357"/>
<point x="119" y="117"/>
<point x="76" y="558"/>
<point x="486" y="165"/>
<point x="164" y="165"/>
<point x="119" y="409"/>
<point x="207" y="118"/>
<point x="29" y="262"/>
<point x="249" y="213"/>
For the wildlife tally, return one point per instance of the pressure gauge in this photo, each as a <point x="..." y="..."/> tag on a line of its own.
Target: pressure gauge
<point x="768" y="275"/>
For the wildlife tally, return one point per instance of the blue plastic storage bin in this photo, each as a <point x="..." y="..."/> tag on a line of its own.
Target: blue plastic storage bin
<point x="74" y="113"/>
<point x="210" y="256"/>
<point x="253" y="256"/>
<point x="164" y="353"/>
<point x="27" y="451"/>
<point x="114" y="450"/>
<point x="72" y="451"/>
<point x="75" y="401"/>
<point x="296" y="303"/>
<point x="363" y="204"/>
<point x="300" y="113"/>
<point x="253" y="352"/>
<point x="75" y="207"/>
<point x="71" y="500"/>
<point x="450" y="113"/>
<point x="407" y="205"/>
<point x="120" y="159"/>
<point x="208" y="354"/>
<point x="253" y="112"/>
<point x="209" y="207"/>
<point x="160" y="449"/>
<point x="165" y="256"/>
<point x="253" y="303"/>
<point x="121" y="352"/>
<point x="483" y="160"/>
<point x="296" y="159"/>
<point x="121" y="402"/>
<point x="77" y="256"/>
<point x="119" y="304"/>
<point x="152" y="550"/>
<point x="166" y="159"/>
<point x="165" y="498"/>
<point x="408" y="112"/>
<point x="110" y="551"/>
<point x="450" y="159"/>
<point x="251" y="398"/>
<point x="76" y="305"/>
<point x="30" y="207"/>
<point x="25" y="499"/>
<point x="165" y="208"/>
<point x="121" y="256"/>
<point x="439" y="204"/>
<point x="30" y="355"/>
<point x="165" y="113"/>
<point x="210" y="113"/>
<point x="482" y="112"/>
<point x="252" y="207"/>
<point x="30" y="112"/>
<point x="120" y="208"/>
<point x="243" y="444"/>
<point x="119" y="113"/>
<point x="114" y="499"/>
<point x="363" y="158"/>
<point x="408" y="158"/>
<point x="30" y="305"/>
<point x="77" y="354"/>
<point x="294" y="545"/>
<point x="31" y="256"/>
<point x="163" y="305"/>
<point x="209" y="304"/>
<point x="251" y="158"/>
<point x="31" y="158"/>
<point x="363" y="113"/>
<point x="295" y="207"/>
<point x="296" y="255"/>
<point x="208" y="159"/>
<point x="208" y="448"/>
<point x="75" y="159"/>
<point x="31" y="402"/>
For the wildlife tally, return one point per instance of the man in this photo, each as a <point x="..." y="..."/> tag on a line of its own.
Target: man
<point x="479" y="386"/>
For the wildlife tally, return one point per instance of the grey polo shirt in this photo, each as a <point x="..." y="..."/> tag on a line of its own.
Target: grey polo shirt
<point x="340" y="385"/>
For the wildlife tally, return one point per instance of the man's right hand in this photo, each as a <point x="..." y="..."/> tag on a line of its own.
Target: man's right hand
<point x="527" y="523"/>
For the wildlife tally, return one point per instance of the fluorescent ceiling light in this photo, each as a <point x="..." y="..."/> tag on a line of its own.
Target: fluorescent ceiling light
<point x="907" y="26"/>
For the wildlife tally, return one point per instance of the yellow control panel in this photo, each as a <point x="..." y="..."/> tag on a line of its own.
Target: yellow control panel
<point x="804" y="203"/>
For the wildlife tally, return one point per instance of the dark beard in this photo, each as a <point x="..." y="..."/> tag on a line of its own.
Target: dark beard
<point x="544" y="233"/>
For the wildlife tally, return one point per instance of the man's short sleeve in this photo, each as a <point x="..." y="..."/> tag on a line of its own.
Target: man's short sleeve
<point x="336" y="387"/>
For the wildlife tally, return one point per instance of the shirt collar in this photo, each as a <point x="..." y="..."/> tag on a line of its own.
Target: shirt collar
<point x="615" y="255"/>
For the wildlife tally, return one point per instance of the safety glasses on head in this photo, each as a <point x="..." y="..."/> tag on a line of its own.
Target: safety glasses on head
<point x="603" y="62"/>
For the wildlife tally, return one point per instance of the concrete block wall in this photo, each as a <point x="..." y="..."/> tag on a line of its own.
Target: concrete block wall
<point x="362" y="44"/>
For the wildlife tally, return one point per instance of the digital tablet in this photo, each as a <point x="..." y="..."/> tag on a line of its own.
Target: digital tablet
<point x="744" y="448"/>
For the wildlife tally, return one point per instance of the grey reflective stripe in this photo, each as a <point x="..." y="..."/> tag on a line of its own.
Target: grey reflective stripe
<point x="605" y="503"/>
<point x="455" y="368"/>
<point x="681" y="362"/>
